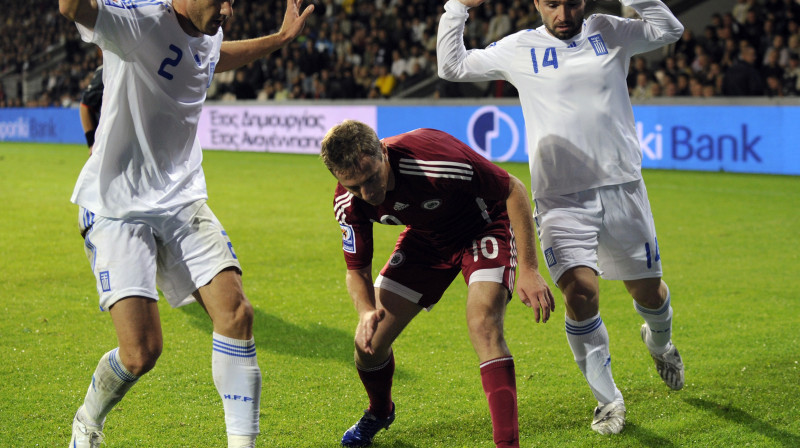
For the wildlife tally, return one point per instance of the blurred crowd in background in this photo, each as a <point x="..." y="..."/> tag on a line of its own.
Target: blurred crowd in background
<point x="377" y="49"/>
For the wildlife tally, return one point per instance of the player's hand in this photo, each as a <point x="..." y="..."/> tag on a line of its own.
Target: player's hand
<point x="367" y="323"/>
<point x="293" y="20"/>
<point x="532" y="289"/>
<point x="471" y="3"/>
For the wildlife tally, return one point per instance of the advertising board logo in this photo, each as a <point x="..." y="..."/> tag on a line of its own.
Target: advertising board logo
<point x="493" y="133"/>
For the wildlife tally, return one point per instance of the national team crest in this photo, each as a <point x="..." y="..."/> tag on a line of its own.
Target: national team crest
<point x="598" y="44"/>
<point x="105" y="281"/>
<point x="397" y="259"/>
<point x="550" y="257"/>
<point x="432" y="204"/>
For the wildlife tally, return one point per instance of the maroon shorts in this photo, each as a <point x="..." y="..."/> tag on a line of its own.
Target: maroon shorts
<point x="420" y="272"/>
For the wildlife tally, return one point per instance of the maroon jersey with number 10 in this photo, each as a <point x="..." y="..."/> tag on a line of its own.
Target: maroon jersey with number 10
<point x="443" y="191"/>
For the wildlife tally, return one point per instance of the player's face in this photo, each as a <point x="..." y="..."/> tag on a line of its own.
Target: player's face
<point x="207" y="16"/>
<point x="562" y="18"/>
<point x="370" y="182"/>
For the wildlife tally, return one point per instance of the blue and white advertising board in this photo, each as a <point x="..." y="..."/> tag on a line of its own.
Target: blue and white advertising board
<point x="41" y="125"/>
<point x="746" y="139"/>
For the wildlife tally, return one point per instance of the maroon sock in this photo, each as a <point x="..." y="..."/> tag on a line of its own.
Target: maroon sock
<point x="378" y="383"/>
<point x="500" y="387"/>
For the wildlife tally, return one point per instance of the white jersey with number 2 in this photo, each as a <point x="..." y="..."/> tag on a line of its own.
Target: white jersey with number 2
<point x="146" y="158"/>
<point x="578" y="117"/>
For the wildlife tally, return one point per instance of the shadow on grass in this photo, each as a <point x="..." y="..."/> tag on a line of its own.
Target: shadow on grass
<point x="644" y="436"/>
<point x="276" y="335"/>
<point x="741" y="417"/>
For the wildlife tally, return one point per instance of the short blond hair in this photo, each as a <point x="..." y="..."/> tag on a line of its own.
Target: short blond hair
<point x="345" y="145"/>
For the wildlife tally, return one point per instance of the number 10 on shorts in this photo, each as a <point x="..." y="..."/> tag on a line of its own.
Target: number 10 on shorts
<point x="487" y="246"/>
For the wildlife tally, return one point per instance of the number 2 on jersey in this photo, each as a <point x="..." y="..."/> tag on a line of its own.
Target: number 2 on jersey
<point x="550" y="59"/>
<point x="167" y="62"/>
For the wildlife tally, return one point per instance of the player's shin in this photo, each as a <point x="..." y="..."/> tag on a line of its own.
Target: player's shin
<point x="378" y="383"/>
<point x="237" y="377"/>
<point x="110" y="382"/>
<point x="499" y="385"/>
<point x="589" y="342"/>
<point x="659" y="324"/>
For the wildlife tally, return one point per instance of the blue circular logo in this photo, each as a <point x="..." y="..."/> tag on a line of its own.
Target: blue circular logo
<point x="493" y="133"/>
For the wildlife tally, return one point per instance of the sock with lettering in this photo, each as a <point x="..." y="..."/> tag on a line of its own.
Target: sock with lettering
<point x="659" y="325"/>
<point x="588" y="340"/>
<point x="238" y="379"/>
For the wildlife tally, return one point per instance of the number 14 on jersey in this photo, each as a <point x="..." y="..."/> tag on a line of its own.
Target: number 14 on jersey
<point x="550" y="59"/>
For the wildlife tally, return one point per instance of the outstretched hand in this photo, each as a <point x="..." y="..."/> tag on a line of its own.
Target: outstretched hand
<point x="367" y="323"/>
<point x="533" y="291"/>
<point x="293" y="20"/>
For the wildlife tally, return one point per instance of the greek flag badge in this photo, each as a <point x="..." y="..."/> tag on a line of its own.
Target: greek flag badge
<point x="105" y="281"/>
<point x="598" y="44"/>
<point x="550" y="257"/>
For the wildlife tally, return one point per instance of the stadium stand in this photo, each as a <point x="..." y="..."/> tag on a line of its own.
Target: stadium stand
<point x="352" y="49"/>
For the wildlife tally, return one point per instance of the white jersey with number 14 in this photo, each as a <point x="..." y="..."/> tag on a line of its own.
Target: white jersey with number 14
<point x="578" y="117"/>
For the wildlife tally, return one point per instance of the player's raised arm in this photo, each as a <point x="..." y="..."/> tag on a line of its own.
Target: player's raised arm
<point x="235" y="54"/>
<point x="531" y="286"/>
<point x="79" y="11"/>
<point x="455" y="62"/>
<point x="658" y="25"/>
<point x="359" y="285"/>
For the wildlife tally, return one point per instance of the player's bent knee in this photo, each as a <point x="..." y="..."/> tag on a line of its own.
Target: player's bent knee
<point x="366" y="360"/>
<point x="140" y="360"/>
<point x="237" y="321"/>
<point x="485" y="326"/>
<point x="646" y="292"/>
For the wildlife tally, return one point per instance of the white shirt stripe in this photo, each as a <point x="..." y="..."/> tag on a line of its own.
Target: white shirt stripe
<point x="340" y="205"/>
<point x="437" y="169"/>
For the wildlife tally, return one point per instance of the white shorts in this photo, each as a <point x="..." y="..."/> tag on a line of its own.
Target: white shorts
<point x="609" y="229"/>
<point x="179" y="252"/>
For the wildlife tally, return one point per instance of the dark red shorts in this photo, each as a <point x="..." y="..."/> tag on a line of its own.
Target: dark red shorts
<point x="421" y="273"/>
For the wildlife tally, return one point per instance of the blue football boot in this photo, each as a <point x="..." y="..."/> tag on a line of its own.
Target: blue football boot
<point x="362" y="433"/>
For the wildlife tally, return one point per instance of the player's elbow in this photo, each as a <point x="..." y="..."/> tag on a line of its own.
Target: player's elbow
<point x="674" y="33"/>
<point x="442" y="73"/>
<point x="447" y="72"/>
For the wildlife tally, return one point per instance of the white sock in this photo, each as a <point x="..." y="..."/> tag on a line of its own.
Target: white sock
<point x="110" y="382"/>
<point x="588" y="340"/>
<point x="659" y="323"/>
<point x="238" y="379"/>
<point x="235" y="441"/>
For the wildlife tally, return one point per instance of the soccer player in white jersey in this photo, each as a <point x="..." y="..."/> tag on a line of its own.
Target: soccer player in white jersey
<point x="592" y="211"/>
<point x="142" y="197"/>
<point x="458" y="210"/>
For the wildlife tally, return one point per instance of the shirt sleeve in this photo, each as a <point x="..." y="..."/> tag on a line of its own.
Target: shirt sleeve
<point x="120" y="25"/>
<point x="658" y="26"/>
<point x="455" y="62"/>
<point x="356" y="230"/>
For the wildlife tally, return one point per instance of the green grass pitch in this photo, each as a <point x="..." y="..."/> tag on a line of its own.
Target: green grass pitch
<point x="730" y="247"/>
